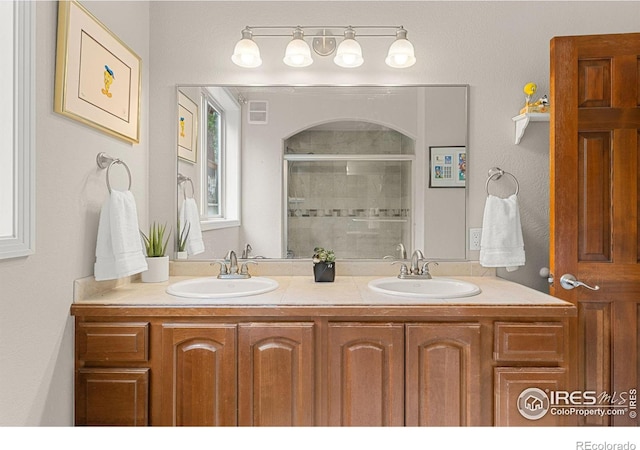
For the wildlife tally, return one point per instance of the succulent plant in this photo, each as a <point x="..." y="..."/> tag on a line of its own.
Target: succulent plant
<point x="155" y="243"/>
<point x="322" y="255"/>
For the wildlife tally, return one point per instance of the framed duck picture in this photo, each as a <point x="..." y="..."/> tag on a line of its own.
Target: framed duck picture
<point x="187" y="128"/>
<point x="98" y="77"/>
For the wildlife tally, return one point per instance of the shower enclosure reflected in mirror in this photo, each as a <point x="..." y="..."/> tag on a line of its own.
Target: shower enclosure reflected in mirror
<point x="279" y="170"/>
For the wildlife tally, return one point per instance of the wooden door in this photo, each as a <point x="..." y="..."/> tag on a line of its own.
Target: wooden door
<point x="595" y="122"/>
<point x="276" y="375"/>
<point x="443" y="375"/>
<point x="199" y="374"/>
<point x="366" y="373"/>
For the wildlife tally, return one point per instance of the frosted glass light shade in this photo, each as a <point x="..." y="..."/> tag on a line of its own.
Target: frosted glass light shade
<point x="401" y="53"/>
<point x="349" y="54"/>
<point x="246" y="52"/>
<point x="297" y="53"/>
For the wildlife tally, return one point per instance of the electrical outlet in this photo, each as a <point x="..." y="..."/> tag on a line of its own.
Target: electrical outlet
<point x="474" y="238"/>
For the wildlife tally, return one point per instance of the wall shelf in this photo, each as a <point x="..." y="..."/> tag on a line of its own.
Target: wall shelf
<point x="523" y="120"/>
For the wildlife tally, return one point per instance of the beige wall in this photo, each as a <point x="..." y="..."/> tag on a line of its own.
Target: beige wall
<point x="495" y="47"/>
<point x="36" y="341"/>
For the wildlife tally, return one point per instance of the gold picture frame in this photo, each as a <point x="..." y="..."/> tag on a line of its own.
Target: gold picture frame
<point x="98" y="77"/>
<point x="187" y="128"/>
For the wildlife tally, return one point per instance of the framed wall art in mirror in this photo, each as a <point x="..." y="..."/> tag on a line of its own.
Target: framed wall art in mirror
<point x="447" y="167"/>
<point x="17" y="140"/>
<point x="187" y="128"/>
<point x="97" y="76"/>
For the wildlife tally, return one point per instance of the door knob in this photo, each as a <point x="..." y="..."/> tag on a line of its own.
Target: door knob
<point x="569" y="281"/>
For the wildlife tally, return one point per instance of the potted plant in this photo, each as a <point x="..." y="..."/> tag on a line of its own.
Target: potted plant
<point x="182" y="240"/>
<point x="324" y="264"/>
<point x="156" y="247"/>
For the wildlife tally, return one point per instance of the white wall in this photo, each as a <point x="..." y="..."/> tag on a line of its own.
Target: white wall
<point x="495" y="47"/>
<point x="36" y="329"/>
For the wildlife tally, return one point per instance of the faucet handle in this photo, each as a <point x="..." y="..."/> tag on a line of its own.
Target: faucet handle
<point x="425" y="267"/>
<point x="404" y="270"/>
<point x="244" y="270"/>
<point x="223" y="266"/>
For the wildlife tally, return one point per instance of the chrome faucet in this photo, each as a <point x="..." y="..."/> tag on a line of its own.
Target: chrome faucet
<point x="246" y="251"/>
<point x="233" y="261"/>
<point x="416" y="260"/>
<point x="419" y="268"/>
<point x="229" y="267"/>
<point x="402" y="250"/>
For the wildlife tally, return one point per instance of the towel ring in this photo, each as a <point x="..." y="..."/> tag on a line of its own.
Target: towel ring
<point x="495" y="173"/>
<point x="182" y="179"/>
<point x="105" y="161"/>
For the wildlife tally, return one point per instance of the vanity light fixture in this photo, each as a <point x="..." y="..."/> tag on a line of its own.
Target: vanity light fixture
<point x="348" y="53"/>
<point x="246" y="53"/>
<point x="298" y="53"/>
<point x="401" y="53"/>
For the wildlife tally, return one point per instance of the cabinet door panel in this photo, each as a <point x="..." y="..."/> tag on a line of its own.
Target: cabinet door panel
<point x="118" y="397"/>
<point x="443" y="374"/>
<point x="524" y="389"/>
<point x="366" y="374"/>
<point x="276" y="374"/>
<point x="199" y="374"/>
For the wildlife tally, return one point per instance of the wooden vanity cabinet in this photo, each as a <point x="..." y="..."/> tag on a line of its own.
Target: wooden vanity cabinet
<point x="365" y="374"/>
<point x="112" y="373"/>
<point x="531" y="354"/>
<point x="323" y="366"/>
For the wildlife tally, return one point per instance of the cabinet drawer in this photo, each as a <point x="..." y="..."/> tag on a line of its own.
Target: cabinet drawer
<point x="123" y="341"/>
<point x="539" y="341"/>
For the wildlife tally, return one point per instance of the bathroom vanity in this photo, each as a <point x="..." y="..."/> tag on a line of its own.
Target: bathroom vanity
<point x="310" y="353"/>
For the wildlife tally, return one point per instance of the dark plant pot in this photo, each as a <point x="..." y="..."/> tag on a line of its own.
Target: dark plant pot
<point x="324" y="272"/>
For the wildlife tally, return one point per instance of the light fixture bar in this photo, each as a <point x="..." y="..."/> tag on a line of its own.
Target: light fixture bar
<point x="324" y="43"/>
<point x="308" y="29"/>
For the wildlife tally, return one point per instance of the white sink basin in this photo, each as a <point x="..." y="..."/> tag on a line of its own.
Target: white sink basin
<point x="420" y="288"/>
<point x="222" y="288"/>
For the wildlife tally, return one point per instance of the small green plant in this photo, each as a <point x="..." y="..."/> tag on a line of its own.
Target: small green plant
<point x="322" y="255"/>
<point x="155" y="243"/>
<point x="182" y="236"/>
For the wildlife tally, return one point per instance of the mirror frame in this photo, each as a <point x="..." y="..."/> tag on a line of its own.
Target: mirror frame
<point x="22" y="242"/>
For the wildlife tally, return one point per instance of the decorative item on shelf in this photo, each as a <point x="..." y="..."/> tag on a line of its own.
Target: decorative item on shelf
<point x="183" y="234"/>
<point x="324" y="265"/>
<point x="539" y="106"/>
<point x="156" y="247"/>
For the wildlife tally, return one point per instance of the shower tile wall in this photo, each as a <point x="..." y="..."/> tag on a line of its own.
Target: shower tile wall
<point x="360" y="209"/>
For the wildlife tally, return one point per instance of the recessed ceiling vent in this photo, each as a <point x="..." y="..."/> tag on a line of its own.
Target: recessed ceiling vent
<point x="258" y="112"/>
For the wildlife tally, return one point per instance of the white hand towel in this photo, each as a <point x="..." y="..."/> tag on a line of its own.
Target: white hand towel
<point x="502" y="244"/>
<point x="119" y="248"/>
<point x="189" y="214"/>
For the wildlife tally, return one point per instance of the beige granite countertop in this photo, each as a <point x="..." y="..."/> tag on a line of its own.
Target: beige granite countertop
<point x="301" y="290"/>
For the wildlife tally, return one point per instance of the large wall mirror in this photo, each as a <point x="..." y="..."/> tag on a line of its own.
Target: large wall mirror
<point x="17" y="119"/>
<point x="275" y="171"/>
